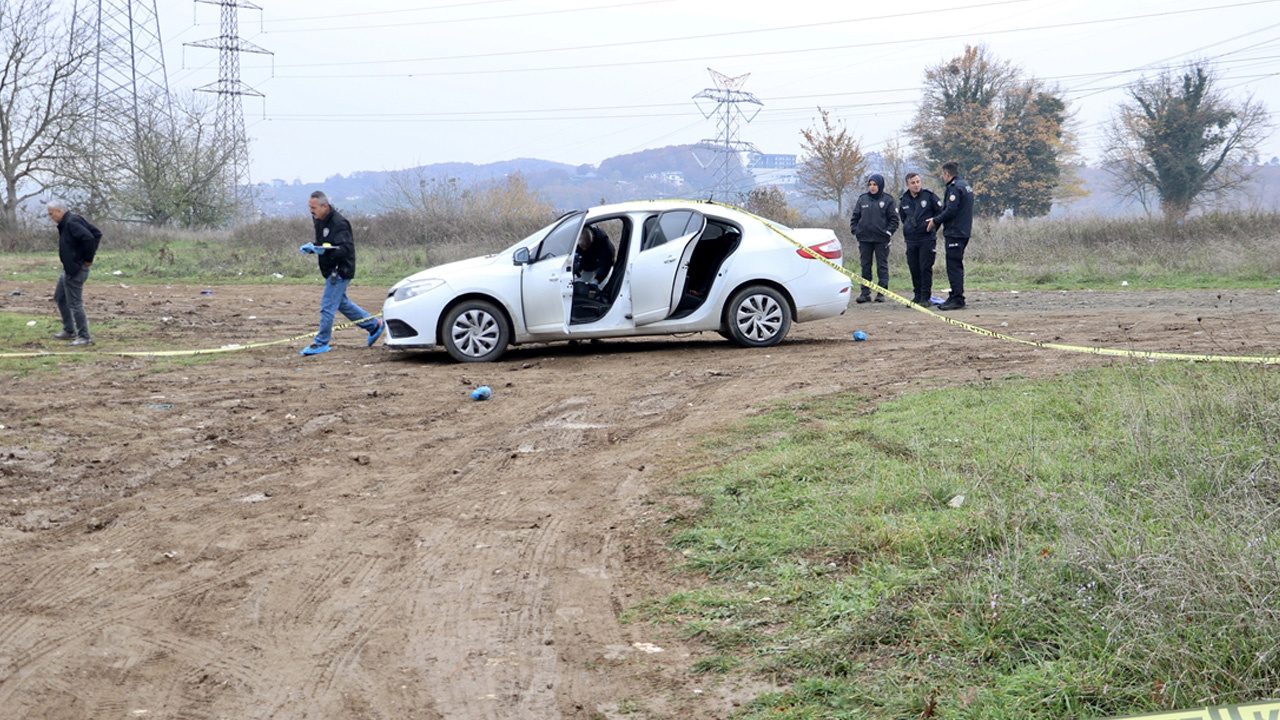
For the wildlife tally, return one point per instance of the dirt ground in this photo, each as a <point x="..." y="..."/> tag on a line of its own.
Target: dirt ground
<point x="262" y="535"/>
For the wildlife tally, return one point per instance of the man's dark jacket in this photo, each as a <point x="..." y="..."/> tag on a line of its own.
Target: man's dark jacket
<point x="334" y="230"/>
<point x="915" y="213"/>
<point x="77" y="242"/>
<point x="957" y="212"/>
<point x="875" y="218"/>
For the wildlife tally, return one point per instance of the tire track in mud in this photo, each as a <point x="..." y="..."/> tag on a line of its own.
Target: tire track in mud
<point x="393" y="549"/>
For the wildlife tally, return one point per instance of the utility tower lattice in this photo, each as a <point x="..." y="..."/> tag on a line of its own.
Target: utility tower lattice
<point x="129" y="72"/>
<point x="724" y="151"/>
<point x="230" y="89"/>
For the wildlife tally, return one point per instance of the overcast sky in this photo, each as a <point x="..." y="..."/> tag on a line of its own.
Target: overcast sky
<point x="390" y="84"/>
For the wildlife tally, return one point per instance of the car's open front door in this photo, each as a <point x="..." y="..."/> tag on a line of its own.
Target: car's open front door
<point x="662" y="262"/>
<point x="547" y="281"/>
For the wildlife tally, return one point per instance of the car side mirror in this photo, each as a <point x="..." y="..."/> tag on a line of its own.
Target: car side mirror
<point x="521" y="257"/>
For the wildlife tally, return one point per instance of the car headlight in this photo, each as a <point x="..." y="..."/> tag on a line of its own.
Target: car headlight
<point x="416" y="288"/>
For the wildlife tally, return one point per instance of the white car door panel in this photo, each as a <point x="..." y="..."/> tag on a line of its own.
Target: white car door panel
<point x="547" y="282"/>
<point x="658" y="271"/>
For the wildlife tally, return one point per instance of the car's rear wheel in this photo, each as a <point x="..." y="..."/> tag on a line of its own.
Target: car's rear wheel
<point x="758" y="316"/>
<point x="475" y="331"/>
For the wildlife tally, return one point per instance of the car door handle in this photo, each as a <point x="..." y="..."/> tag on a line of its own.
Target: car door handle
<point x="668" y="261"/>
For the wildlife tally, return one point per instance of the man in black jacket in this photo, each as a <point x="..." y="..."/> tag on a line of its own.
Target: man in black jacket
<point x="915" y="207"/>
<point x="77" y="244"/>
<point x="336" y="250"/>
<point x="957" y="217"/>
<point x="595" y="255"/>
<point x="875" y="219"/>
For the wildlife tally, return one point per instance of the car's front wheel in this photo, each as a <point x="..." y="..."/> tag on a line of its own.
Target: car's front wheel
<point x="475" y="331"/>
<point x="758" y="316"/>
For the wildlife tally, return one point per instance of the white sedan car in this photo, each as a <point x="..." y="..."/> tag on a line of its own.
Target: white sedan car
<point x="678" y="267"/>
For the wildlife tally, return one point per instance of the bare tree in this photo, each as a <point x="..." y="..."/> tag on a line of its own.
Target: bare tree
<point x="895" y="164"/>
<point x="833" y="162"/>
<point x="1180" y="138"/>
<point x="770" y="202"/>
<point x="167" y="166"/>
<point x="42" y="96"/>
<point x="179" y="173"/>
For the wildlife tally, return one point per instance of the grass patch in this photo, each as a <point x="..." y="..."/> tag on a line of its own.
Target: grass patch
<point x="1216" y="251"/>
<point x="1103" y="543"/>
<point x="33" y="334"/>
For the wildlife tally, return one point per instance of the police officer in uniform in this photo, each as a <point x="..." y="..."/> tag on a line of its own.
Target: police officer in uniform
<point x="957" y="221"/>
<point x="915" y="207"/>
<point x="874" y="220"/>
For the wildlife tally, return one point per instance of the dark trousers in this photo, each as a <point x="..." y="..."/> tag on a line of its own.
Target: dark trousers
<point x="920" y="256"/>
<point x="955" y="265"/>
<point x="879" y="251"/>
<point x="69" y="294"/>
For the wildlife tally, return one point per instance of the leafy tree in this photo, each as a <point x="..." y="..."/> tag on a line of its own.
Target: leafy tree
<point x="42" y="96"/>
<point x="1008" y="133"/>
<point x="1180" y="139"/>
<point x="833" y="163"/>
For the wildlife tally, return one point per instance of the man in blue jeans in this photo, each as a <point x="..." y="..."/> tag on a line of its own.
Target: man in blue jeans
<point x="335" y="248"/>
<point x="77" y="244"/>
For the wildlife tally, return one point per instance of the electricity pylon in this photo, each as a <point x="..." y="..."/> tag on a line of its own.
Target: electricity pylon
<point x="230" y="89"/>
<point x="725" y="150"/>
<point x="130" y="80"/>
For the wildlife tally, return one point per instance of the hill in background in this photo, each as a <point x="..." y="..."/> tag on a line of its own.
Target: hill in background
<point x="670" y="171"/>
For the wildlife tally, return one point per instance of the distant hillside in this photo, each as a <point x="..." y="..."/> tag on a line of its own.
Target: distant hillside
<point x="1263" y="193"/>
<point x="670" y="171"/>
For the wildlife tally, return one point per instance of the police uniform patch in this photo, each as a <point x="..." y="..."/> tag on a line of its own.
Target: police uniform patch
<point x="952" y="198"/>
<point x="881" y="203"/>
<point x="924" y="203"/>
<point x="325" y="233"/>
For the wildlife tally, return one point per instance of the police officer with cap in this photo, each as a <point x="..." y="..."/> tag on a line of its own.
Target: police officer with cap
<point x="957" y="221"/>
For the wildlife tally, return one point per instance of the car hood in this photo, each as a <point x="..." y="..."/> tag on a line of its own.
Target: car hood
<point x="449" y="270"/>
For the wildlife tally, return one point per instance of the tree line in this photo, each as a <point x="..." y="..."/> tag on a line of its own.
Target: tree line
<point x="159" y="160"/>
<point x="1176" y="140"/>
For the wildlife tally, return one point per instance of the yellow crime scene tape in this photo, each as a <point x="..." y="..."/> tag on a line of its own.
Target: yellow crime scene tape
<point x="1265" y="710"/>
<point x="1139" y="354"/>
<point x="177" y="353"/>
<point x="1142" y="354"/>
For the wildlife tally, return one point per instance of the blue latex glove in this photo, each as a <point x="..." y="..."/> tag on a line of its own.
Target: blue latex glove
<point x="308" y="249"/>
<point x="318" y="249"/>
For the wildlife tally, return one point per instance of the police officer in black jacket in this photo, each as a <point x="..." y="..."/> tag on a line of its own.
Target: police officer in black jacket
<point x="336" y="248"/>
<point x="957" y="219"/>
<point x="874" y="220"/>
<point x="77" y="245"/>
<point x="915" y="207"/>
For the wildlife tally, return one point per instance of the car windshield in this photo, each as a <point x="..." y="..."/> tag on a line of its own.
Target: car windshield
<point x="532" y="241"/>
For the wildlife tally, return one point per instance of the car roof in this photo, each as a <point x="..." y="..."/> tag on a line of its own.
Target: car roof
<point x="702" y="206"/>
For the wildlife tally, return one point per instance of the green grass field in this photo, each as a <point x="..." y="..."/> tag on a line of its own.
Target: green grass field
<point x="1099" y="544"/>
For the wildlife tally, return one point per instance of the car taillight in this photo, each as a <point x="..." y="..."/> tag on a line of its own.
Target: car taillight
<point x="829" y="250"/>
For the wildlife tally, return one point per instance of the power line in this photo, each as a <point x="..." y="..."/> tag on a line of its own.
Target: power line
<point x="467" y="4"/>
<point x="531" y="113"/>
<point x="881" y="43"/>
<point x="540" y="13"/>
